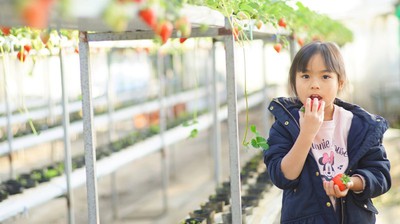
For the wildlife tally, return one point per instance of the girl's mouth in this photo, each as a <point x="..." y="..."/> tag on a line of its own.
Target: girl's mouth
<point x="316" y="96"/>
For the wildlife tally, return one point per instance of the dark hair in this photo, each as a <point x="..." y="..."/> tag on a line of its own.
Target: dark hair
<point x="330" y="53"/>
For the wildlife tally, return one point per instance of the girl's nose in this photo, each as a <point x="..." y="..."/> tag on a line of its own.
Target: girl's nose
<point x="314" y="84"/>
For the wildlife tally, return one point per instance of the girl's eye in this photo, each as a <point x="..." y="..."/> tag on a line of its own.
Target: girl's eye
<point x="305" y="76"/>
<point x="326" y="76"/>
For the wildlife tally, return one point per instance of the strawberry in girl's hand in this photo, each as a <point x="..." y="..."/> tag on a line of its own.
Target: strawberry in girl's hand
<point x="341" y="180"/>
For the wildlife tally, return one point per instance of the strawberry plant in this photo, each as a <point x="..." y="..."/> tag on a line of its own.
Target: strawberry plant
<point x="258" y="141"/>
<point x="341" y="181"/>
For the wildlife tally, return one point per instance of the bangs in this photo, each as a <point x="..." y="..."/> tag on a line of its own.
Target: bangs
<point x="314" y="50"/>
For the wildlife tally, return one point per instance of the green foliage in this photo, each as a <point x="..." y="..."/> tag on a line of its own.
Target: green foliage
<point x="301" y="20"/>
<point x="258" y="141"/>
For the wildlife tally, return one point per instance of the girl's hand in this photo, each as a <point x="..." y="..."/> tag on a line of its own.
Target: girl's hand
<point x="333" y="190"/>
<point x="313" y="116"/>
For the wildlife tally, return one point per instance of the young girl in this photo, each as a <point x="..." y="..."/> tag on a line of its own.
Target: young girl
<point x="317" y="136"/>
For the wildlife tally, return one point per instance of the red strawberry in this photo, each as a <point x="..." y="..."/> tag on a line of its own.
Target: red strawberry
<point x="341" y="180"/>
<point x="282" y="22"/>
<point x="6" y="30"/>
<point x="182" y="39"/>
<point x="22" y="56"/>
<point x="164" y="30"/>
<point x="278" y="47"/>
<point x="300" y="41"/>
<point x="27" y="48"/>
<point x="235" y="32"/>
<point x="36" y="13"/>
<point x="149" y="17"/>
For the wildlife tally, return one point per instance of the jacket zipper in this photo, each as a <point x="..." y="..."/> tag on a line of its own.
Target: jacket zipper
<point x="342" y="208"/>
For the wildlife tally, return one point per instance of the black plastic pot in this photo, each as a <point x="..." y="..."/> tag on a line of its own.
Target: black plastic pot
<point x="13" y="187"/>
<point x="203" y="213"/>
<point x="194" y="221"/>
<point x="3" y="194"/>
<point x="26" y="181"/>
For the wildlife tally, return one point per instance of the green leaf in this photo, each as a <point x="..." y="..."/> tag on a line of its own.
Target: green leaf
<point x="264" y="146"/>
<point x="253" y="129"/>
<point x="193" y="133"/>
<point x="254" y="143"/>
<point x="261" y="139"/>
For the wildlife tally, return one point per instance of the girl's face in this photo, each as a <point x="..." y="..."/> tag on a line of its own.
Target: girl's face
<point x="318" y="82"/>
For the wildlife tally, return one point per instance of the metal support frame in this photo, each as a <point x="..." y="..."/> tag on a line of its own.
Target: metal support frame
<point x="216" y="128"/>
<point x="164" y="152"/>
<point x="111" y="135"/>
<point x="88" y="130"/>
<point x="67" y="144"/>
<point x="233" y="129"/>
<point x="10" y="136"/>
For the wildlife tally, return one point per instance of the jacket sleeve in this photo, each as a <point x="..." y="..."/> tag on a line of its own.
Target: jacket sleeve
<point x="280" y="142"/>
<point x="375" y="168"/>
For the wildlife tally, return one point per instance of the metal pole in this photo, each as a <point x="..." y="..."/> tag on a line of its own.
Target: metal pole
<point x="216" y="129"/>
<point x="163" y="126"/>
<point x="111" y="135"/>
<point x="88" y="130"/>
<point x="265" y="89"/>
<point x="67" y="144"/>
<point x="10" y="136"/>
<point x="292" y="48"/>
<point x="233" y="134"/>
<point x="110" y="99"/>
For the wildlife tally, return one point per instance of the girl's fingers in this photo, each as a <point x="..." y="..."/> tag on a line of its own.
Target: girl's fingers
<point x="315" y="104"/>
<point x="308" y="104"/>
<point x="321" y="106"/>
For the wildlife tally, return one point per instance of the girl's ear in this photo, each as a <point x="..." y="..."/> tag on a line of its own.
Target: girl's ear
<point x="341" y="85"/>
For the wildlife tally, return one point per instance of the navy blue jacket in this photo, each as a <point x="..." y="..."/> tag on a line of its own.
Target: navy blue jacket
<point x="304" y="199"/>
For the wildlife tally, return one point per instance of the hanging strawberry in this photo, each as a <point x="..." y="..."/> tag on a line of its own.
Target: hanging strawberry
<point x="278" y="47"/>
<point x="182" y="40"/>
<point x="164" y="30"/>
<point x="183" y="26"/>
<point x="300" y="41"/>
<point x="148" y="15"/>
<point x="235" y="32"/>
<point x="22" y="56"/>
<point x="282" y="22"/>
<point x="27" y="48"/>
<point x="35" y="13"/>
<point x="259" y="24"/>
<point x="6" y="30"/>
